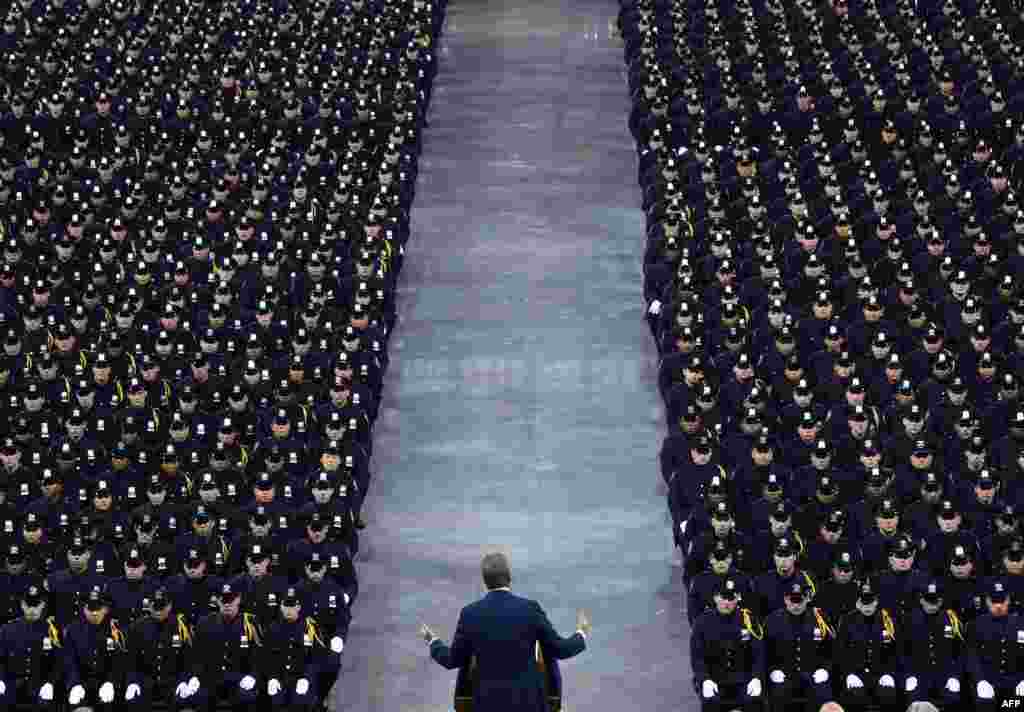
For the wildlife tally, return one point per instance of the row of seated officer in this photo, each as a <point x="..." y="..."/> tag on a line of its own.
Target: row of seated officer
<point x="203" y="212"/>
<point x="831" y="273"/>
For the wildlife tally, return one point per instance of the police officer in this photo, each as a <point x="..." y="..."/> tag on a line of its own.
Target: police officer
<point x="995" y="651"/>
<point x="161" y="646"/>
<point x="934" y="652"/>
<point x="899" y="587"/>
<point x="96" y="656"/>
<point x="798" y="650"/>
<point x="30" y="663"/>
<point x="725" y="651"/>
<point x="224" y="657"/>
<point x="287" y="659"/>
<point x="324" y="601"/>
<point x="867" y="660"/>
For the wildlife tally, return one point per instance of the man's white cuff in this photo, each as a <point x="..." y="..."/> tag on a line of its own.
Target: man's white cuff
<point x="582" y="634"/>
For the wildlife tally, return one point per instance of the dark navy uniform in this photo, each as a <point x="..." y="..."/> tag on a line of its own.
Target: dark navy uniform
<point x="798" y="650"/>
<point x="725" y="651"/>
<point x="95" y="655"/>
<point x="160" y="656"/>
<point x="324" y="604"/>
<point x="934" y="652"/>
<point x="29" y="659"/>
<point x="995" y="654"/>
<point x="288" y="657"/>
<point x="867" y="655"/>
<point x="224" y="653"/>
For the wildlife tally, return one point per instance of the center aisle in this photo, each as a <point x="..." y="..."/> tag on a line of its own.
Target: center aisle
<point x="521" y="407"/>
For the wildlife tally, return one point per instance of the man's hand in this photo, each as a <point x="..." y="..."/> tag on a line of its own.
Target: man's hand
<point x="583" y="622"/>
<point x="427" y="633"/>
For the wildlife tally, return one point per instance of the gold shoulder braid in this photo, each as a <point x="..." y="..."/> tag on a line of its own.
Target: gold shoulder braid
<point x="890" y="628"/>
<point x="750" y="625"/>
<point x="810" y="581"/>
<point x="954" y="622"/>
<point x="251" y="627"/>
<point x="313" y="631"/>
<point x="823" y="626"/>
<point x="184" y="632"/>
<point x="54" y="631"/>
<point x="118" y="636"/>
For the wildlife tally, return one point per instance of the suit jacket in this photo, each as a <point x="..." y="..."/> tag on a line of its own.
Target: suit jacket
<point x="502" y="630"/>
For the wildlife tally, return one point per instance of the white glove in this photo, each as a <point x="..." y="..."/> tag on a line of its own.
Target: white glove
<point x="886" y="681"/>
<point x="953" y="685"/>
<point x="182" y="691"/>
<point x="682" y="526"/>
<point x="273" y="687"/>
<point x="132" y="692"/>
<point x="46" y="692"/>
<point x="778" y="677"/>
<point x="655" y="308"/>
<point x="337" y="645"/>
<point x="820" y="676"/>
<point x="302" y="686"/>
<point x="3" y="687"/>
<point x="76" y="695"/>
<point x="985" y="690"/>
<point x="853" y="682"/>
<point x="193" y="685"/>
<point x="911" y="684"/>
<point x="348" y="598"/>
<point x="710" y="689"/>
<point x="1020" y="689"/>
<point x="754" y="688"/>
<point x="107" y="692"/>
<point x="248" y="682"/>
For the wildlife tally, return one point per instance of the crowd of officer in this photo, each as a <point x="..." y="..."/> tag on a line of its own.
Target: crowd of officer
<point x="833" y="278"/>
<point x="203" y="211"/>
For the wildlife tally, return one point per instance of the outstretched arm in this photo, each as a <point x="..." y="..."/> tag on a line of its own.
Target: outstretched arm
<point x="458" y="654"/>
<point x="558" y="647"/>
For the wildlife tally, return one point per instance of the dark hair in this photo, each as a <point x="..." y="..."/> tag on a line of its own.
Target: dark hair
<point x="496" y="571"/>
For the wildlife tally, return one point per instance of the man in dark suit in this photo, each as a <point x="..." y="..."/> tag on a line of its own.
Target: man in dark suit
<point x="501" y="631"/>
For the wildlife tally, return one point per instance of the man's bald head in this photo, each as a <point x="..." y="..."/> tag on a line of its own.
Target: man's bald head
<point x="831" y="707"/>
<point x="496" y="571"/>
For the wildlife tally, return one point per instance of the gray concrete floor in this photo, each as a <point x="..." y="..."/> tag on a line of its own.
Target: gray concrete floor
<point x="521" y="410"/>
